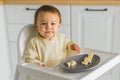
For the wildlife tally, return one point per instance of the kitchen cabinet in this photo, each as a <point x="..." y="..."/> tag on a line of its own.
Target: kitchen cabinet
<point x="96" y="27"/>
<point x="1" y="2"/>
<point x="18" y="16"/>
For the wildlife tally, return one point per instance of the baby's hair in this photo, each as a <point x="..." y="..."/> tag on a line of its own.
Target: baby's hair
<point x="46" y="8"/>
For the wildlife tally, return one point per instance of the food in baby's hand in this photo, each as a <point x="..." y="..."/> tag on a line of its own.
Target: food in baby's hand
<point x="71" y="64"/>
<point x="88" y="59"/>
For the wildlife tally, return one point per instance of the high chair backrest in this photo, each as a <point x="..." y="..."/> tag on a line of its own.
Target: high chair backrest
<point x="25" y="34"/>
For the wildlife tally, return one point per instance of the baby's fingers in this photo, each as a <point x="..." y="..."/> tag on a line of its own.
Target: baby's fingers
<point x="41" y="64"/>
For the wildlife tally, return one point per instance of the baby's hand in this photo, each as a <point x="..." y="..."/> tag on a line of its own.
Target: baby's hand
<point x="75" y="47"/>
<point x="41" y="64"/>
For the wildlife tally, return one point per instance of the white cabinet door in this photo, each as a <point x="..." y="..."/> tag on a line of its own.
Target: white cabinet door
<point x="95" y="27"/>
<point x="92" y="26"/>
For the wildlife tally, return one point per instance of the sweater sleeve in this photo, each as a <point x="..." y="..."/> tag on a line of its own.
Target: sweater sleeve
<point x="30" y="53"/>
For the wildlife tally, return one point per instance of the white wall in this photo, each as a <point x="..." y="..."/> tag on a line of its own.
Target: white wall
<point x="4" y="55"/>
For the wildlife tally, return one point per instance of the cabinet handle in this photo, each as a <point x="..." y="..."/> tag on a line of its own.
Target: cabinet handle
<point x="31" y="9"/>
<point x="87" y="9"/>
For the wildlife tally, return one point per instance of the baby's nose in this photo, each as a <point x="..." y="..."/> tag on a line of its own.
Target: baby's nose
<point x="48" y="26"/>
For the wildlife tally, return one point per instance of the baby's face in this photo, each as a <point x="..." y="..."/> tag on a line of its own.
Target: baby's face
<point x="48" y="24"/>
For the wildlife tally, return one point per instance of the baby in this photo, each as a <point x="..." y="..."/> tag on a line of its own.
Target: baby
<point x="48" y="47"/>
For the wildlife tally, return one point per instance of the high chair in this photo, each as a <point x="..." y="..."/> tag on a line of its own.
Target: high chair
<point x="26" y="70"/>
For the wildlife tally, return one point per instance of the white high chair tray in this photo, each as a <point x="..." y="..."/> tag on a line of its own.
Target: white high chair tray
<point x="108" y="61"/>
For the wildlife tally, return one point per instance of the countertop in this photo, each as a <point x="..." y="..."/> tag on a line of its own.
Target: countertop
<point x="1" y="2"/>
<point x="65" y="2"/>
<point x="108" y="61"/>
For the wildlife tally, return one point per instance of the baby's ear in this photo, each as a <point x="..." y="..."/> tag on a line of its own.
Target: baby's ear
<point x="35" y="27"/>
<point x="59" y="25"/>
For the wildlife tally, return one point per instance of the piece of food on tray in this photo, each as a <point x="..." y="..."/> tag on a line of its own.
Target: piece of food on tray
<point x="88" y="59"/>
<point x="71" y="64"/>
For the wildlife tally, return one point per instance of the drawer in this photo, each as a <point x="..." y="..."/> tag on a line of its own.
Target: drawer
<point x="19" y="14"/>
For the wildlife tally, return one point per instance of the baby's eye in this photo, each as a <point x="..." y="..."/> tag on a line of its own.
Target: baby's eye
<point x="53" y="23"/>
<point x="43" y="23"/>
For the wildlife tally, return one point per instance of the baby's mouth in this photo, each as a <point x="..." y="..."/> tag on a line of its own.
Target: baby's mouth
<point x="48" y="31"/>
